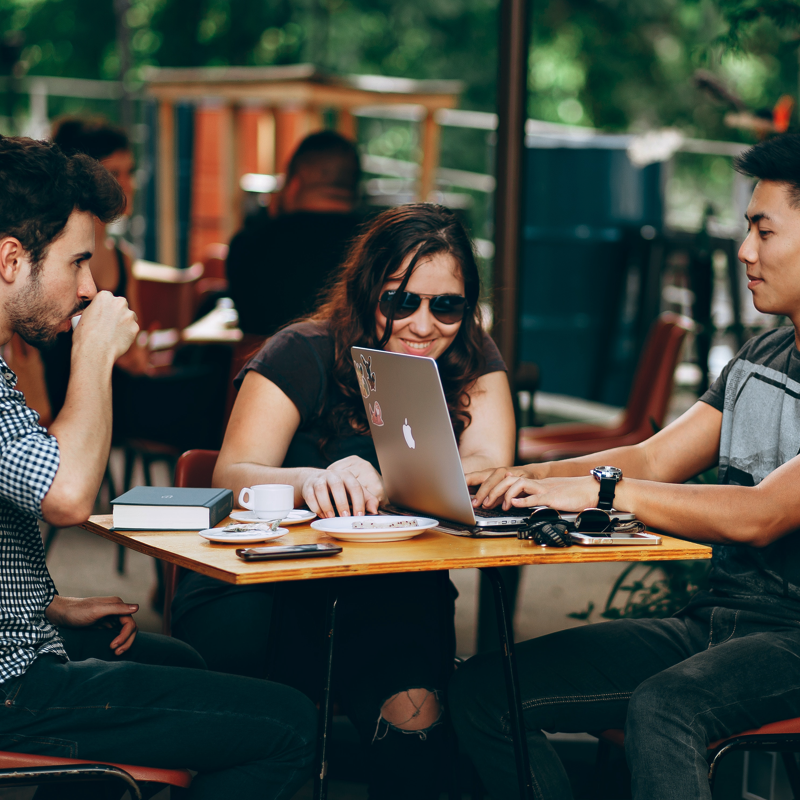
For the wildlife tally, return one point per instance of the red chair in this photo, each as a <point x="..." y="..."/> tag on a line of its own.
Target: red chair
<point x="782" y="737"/>
<point x="21" y="769"/>
<point x="647" y="403"/>
<point x="194" y="469"/>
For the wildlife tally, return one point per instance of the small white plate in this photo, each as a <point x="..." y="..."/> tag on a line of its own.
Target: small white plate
<point x="246" y="537"/>
<point x="345" y="528"/>
<point x="295" y="517"/>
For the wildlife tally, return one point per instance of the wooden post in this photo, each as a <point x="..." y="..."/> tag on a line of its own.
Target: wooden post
<point x="512" y="95"/>
<point x="430" y="156"/>
<point x="347" y="124"/>
<point x="265" y="146"/>
<point x="167" y="229"/>
<point x="229" y="181"/>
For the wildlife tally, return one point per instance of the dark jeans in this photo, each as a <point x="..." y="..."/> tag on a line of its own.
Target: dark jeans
<point x="393" y="633"/>
<point x="245" y="738"/>
<point x="674" y="685"/>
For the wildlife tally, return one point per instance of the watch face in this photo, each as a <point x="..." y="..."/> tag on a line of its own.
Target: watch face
<point x="607" y="473"/>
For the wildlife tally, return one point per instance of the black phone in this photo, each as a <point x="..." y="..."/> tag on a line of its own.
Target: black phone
<point x="288" y="551"/>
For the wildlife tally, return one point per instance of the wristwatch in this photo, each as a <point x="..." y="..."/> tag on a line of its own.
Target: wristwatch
<point x="608" y="477"/>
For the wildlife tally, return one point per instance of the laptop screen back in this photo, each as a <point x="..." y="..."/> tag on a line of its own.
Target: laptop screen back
<point x="413" y="435"/>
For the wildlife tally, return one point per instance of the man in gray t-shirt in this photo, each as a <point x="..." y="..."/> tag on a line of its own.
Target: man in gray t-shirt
<point x="730" y="661"/>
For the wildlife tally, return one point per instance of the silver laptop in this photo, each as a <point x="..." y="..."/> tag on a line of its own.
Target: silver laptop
<point x="415" y="442"/>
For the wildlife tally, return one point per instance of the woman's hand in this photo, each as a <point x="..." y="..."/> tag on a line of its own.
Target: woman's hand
<point x="564" y="494"/>
<point x="367" y="475"/>
<point x="348" y="483"/>
<point x="493" y="483"/>
<point x="99" y="612"/>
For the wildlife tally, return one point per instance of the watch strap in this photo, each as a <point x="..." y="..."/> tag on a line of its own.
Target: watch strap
<point x="608" y="487"/>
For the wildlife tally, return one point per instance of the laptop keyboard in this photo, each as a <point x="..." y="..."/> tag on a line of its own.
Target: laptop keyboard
<point x="494" y="513"/>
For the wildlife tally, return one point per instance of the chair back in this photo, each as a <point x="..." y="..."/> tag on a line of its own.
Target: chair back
<point x="195" y="468"/>
<point x="214" y="257"/>
<point x="166" y="294"/>
<point x="655" y="374"/>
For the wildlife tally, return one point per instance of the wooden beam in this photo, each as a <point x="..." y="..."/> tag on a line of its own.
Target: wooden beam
<point x="304" y="94"/>
<point x="430" y="156"/>
<point x="166" y="171"/>
<point x="512" y="98"/>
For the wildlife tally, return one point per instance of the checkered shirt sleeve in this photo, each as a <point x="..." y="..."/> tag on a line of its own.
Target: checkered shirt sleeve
<point x="29" y="459"/>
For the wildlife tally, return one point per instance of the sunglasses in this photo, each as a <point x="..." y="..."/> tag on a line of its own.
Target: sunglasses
<point x="447" y="308"/>
<point x="590" y="520"/>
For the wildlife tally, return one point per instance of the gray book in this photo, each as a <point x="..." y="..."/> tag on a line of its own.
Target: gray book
<point x="160" y="508"/>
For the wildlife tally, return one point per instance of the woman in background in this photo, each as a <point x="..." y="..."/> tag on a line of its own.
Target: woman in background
<point x="111" y="263"/>
<point x="409" y="285"/>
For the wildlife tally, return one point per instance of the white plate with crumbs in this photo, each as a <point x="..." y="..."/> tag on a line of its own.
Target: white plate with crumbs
<point x="377" y="528"/>
<point x="295" y="517"/>
<point x="242" y="534"/>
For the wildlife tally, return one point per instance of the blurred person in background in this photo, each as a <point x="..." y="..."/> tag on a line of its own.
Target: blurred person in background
<point x="112" y="261"/>
<point x="279" y="262"/>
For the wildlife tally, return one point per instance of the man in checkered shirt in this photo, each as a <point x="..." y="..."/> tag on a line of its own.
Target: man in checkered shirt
<point x="76" y="680"/>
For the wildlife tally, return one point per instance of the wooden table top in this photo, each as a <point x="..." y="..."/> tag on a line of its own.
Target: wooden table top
<point x="429" y="551"/>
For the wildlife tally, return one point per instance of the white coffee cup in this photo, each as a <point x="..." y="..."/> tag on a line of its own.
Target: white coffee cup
<point x="268" y="500"/>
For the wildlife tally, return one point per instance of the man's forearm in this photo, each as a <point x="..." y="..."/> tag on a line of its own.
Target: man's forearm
<point x="83" y="431"/>
<point x="632" y="460"/>
<point x="707" y="513"/>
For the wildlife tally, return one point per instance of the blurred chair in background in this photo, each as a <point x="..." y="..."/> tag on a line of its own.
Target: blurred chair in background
<point x="644" y="414"/>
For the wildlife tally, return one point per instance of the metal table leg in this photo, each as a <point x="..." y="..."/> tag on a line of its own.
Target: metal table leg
<point x="505" y="626"/>
<point x="326" y="706"/>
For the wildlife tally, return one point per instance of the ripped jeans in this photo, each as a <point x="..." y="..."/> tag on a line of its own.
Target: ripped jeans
<point x="393" y="656"/>
<point x="674" y="685"/>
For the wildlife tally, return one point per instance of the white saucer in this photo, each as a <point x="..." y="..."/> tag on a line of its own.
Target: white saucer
<point x="295" y="517"/>
<point x="343" y="528"/>
<point x="247" y="537"/>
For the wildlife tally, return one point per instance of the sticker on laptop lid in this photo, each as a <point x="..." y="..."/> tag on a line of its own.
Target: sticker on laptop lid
<point x="375" y="414"/>
<point x="362" y="381"/>
<point x="371" y="377"/>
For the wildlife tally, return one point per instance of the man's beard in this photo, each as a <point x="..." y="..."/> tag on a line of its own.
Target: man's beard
<point x="31" y="315"/>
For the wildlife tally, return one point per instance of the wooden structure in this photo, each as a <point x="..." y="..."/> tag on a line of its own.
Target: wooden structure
<point x="250" y="119"/>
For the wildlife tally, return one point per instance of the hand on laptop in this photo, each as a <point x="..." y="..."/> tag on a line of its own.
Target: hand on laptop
<point x="350" y="483"/>
<point x="493" y="483"/>
<point x="566" y="494"/>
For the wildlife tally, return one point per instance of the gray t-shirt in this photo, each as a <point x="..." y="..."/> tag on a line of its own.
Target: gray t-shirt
<point x="758" y="394"/>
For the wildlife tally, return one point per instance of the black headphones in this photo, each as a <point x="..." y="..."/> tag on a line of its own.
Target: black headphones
<point x="546" y="532"/>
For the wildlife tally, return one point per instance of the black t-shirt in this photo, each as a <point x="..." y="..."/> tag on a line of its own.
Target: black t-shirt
<point x="278" y="267"/>
<point x="758" y="394"/>
<point x="299" y="361"/>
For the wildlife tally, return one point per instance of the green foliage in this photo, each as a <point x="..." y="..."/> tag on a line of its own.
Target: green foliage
<point x="747" y="18"/>
<point x="615" y="64"/>
<point x="651" y="590"/>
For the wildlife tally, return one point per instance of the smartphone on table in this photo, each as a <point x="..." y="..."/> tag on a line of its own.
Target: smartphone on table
<point x="274" y="552"/>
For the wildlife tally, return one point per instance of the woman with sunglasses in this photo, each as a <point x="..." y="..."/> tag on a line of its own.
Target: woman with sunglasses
<point x="409" y="285"/>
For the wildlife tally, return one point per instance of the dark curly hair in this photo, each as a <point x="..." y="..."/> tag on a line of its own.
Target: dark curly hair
<point x="41" y="189"/>
<point x="420" y="230"/>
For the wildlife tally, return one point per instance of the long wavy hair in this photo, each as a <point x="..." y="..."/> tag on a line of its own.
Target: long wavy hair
<point x="418" y="230"/>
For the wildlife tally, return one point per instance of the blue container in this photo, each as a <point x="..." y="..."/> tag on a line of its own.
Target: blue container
<point x="585" y="208"/>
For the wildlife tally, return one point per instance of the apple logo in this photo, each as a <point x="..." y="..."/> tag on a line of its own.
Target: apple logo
<point x="407" y="435"/>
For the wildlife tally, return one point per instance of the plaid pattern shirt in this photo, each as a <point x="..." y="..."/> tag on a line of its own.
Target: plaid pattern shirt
<point x="29" y="459"/>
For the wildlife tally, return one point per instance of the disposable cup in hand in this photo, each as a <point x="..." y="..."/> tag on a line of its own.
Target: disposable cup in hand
<point x="268" y="500"/>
